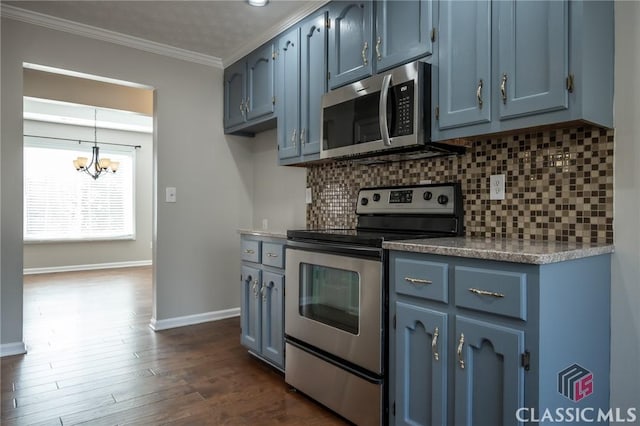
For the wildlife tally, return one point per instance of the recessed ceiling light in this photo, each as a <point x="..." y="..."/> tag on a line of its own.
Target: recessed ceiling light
<point x="258" y="3"/>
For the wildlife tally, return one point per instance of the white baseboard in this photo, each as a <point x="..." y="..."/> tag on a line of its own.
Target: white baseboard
<point x="165" y="324"/>
<point x="15" y="348"/>
<point x="88" y="267"/>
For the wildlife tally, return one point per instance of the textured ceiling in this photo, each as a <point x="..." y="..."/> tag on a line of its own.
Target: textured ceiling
<point x="214" y="28"/>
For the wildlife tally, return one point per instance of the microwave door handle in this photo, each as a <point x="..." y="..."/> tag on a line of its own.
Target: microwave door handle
<point x="384" y="93"/>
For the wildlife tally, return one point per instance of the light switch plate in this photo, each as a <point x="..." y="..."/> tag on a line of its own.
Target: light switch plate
<point x="171" y="195"/>
<point x="308" y="196"/>
<point x="496" y="187"/>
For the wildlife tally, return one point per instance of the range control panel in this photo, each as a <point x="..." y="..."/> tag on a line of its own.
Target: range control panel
<point x="419" y="199"/>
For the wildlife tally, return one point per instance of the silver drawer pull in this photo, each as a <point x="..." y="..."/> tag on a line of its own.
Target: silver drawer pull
<point x="272" y="255"/>
<point x="485" y="292"/>
<point x="460" y="355"/>
<point x="249" y="251"/>
<point x="418" y="281"/>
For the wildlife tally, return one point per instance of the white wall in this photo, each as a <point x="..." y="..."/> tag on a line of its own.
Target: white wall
<point x="625" y="294"/>
<point x="47" y="255"/>
<point x="278" y="191"/>
<point x="196" y="246"/>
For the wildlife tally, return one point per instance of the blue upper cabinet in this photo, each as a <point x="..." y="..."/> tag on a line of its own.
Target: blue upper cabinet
<point x="350" y="38"/>
<point x="464" y="57"/>
<point x="403" y="32"/>
<point x="313" y="80"/>
<point x="533" y="56"/>
<point x="234" y="94"/>
<point x="288" y="59"/>
<point x="516" y="64"/>
<point x="301" y="64"/>
<point x="249" y="93"/>
<point x="260" y="82"/>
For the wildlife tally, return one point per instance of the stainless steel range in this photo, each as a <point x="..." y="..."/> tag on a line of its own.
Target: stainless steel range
<point x="336" y="300"/>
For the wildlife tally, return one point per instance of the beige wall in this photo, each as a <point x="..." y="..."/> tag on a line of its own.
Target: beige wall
<point x="46" y="85"/>
<point x="278" y="191"/>
<point x="196" y="244"/>
<point x="625" y="294"/>
<point x="56" y="255"/>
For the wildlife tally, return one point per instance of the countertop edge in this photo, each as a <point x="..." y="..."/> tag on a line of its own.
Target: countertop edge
<point x="262" y="233"/>
<point x="499" y="255"/>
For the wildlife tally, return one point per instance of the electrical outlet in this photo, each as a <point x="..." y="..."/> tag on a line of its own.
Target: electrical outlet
<point x="496" y="187"/>
<point x="170" y="195"/>
<point x="308" y="196"/>
<point x="265" y="224"/>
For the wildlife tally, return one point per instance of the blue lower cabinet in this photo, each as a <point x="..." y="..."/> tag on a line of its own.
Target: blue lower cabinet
<point x="496" y="349"/>
<point x="272" y="309"/>
<point x="251" y="316"/>
<point x="262" y="298"/>
<point x="489" y="378"/>
<point x="421" y="366"/>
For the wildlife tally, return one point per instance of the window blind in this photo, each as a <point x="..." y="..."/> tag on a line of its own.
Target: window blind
<point x="62" y="204"/>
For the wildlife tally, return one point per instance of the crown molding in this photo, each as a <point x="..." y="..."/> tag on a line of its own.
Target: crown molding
<point x="310" y="7"/>
<point x="40" y="19"/>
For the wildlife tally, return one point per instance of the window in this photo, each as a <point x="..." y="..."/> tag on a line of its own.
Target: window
<point x="62" y="204"/>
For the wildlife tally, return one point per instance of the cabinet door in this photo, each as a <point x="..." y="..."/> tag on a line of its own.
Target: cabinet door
<point x="464" y="57"/>
<point x="272" y="317"/>
<point x="489" y="380"/>
<point x="533" y="56"/>
<point x="350" y="41"/>
<point x="313" y="80"/>
<point x="289" y="94"/>
<point x="421" y="365"/>
<point x="234" y="95"/>
<point x="403" y="32"/>
<point x="250" y="308"/>
<point x="260" y="83"/>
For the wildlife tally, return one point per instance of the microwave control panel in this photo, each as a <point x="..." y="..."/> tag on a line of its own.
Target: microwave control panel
<point x="404" y="97"/>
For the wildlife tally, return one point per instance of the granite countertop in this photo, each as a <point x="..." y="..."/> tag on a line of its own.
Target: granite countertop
<point x="263" y="233"/>
<point x="506" y="250"/>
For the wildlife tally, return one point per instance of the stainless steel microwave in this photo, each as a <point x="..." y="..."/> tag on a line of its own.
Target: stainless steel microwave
<point x="388" y="112"/>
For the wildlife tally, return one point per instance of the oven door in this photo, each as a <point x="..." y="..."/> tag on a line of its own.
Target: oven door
<point x="334" y="303"/>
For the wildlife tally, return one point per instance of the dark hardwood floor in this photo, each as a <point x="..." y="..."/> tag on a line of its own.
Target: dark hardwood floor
<point x="93" y="360"/>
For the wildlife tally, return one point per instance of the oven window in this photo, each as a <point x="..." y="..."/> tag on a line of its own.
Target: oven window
<point x="330" y="296"/>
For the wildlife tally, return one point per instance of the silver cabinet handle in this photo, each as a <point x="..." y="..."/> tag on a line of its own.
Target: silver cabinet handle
<point x="365" y="47"/>
<point x="486" y="293"/>
<point x="302" y="136"/>
<point x="460" y="357"/>
<point x="242" y="107"/>
<point x="479" y="93"/>
<point x="249" y="251"/>
<point x="293" y="137"/>
<point x="246" y="105"/>
<point x="434" y="345"/>
<point x="254" y="287"/>
<point x="378" y="43"/>
<point x="262" y="289"/>
<point x="272" y="255"/>
<point x="503" y="88"/>
<point x="418" y="281"/>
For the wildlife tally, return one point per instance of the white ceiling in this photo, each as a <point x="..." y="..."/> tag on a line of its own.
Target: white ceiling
<point x="213" y="27"/>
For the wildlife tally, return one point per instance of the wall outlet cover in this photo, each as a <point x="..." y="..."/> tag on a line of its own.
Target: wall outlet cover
<point x="170" y="195"/>
<point x="496" y="187"/>
<point x="308" y="196"/>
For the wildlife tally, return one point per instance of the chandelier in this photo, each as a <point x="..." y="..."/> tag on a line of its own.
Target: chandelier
<point x="97" y="166"/>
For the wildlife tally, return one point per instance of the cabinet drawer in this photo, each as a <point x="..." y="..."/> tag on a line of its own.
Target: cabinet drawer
<point x="428" y="280"/>
<point x="488" y="290"/>
<point x="273" y="254"/>
<point x="250" y="250"/>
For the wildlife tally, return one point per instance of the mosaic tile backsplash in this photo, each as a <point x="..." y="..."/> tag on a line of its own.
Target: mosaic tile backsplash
<point x="559" y="185"/>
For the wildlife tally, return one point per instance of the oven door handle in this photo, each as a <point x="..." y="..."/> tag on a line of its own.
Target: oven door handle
<point x="336" y="248"/>
<point x="382" y="110"/>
